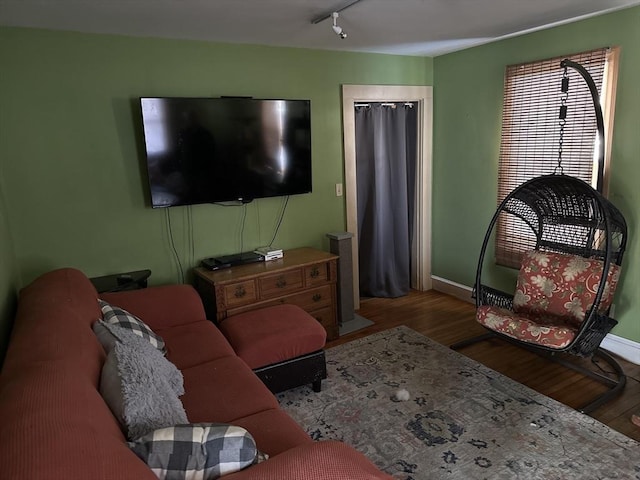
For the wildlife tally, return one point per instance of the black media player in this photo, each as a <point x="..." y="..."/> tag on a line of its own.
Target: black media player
<point x="217" y="263"/>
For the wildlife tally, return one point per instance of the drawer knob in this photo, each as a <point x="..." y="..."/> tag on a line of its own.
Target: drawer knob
<point x="281" y="282"/>
<point x="317" y="297"/>
<point x="315" y="272"/>
<point x="240" y="292"/>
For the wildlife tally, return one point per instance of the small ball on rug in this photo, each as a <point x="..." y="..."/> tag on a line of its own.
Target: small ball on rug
<point x="402" y="395"/>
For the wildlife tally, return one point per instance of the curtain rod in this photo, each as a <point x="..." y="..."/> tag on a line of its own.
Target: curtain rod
<point x="384" y="104"/>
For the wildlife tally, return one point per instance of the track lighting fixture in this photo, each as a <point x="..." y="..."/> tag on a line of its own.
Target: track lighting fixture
<point x="337" y="28"/>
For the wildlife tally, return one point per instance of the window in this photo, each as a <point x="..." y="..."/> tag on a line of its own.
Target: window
<point x="531" y="133"/>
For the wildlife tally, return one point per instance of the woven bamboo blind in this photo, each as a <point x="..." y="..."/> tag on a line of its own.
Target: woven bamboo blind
<point x="531" y="132"/>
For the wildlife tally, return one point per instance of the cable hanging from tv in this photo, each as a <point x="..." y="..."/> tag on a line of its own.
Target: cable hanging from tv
<point x="284" y="208"/>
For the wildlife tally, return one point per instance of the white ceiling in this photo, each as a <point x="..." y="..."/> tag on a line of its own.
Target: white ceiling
<point x="409" y="27"/>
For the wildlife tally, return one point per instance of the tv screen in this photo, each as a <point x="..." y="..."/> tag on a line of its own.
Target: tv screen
<point x="207" y="150"/>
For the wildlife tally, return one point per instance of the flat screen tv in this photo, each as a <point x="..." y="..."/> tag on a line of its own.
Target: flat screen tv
<point x="208" y="150"/>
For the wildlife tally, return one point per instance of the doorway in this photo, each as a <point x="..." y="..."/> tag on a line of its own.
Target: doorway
<point x="420" y="244"/>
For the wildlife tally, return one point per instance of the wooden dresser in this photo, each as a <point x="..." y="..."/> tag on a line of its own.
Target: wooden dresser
<point x="304" y="276"/>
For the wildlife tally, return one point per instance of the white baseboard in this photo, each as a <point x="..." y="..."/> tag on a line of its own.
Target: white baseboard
<point x="452" y="288"/>
<point x="624" y="348"/>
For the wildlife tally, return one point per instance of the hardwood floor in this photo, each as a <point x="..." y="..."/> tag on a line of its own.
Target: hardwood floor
<point x="447" y="320"/>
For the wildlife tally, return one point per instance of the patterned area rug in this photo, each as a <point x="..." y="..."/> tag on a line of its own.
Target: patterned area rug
<point x="462" y="420"/>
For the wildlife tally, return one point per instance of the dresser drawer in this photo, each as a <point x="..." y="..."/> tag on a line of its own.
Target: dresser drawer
<point x="316" y="274"/>
<point x="240" y="293"/>
<point x="280" y="284"/>
<point x="309" y="300"/>
<point x="325" y="316"/>
<point x="312" y="299"/>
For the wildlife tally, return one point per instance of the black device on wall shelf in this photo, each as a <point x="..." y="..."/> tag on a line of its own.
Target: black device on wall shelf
<point x="121" y="281"/>
<point x="208" y="150"/>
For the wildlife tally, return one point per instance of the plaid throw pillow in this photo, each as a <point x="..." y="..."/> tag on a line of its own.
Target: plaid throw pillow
<point x="197" y="451"/>
<point x="117" y="316"/>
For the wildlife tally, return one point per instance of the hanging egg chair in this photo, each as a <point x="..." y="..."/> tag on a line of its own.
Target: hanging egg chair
<point x="568" y="272"/>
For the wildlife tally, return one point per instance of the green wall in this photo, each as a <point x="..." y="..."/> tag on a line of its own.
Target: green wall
<point x="8" y="271"/>
<point x="468" y="89"/>
<point x="8" y="277"/>
<point x="75" y="184"/>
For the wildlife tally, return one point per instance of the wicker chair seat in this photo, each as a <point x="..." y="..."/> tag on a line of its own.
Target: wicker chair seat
<point x="548" y="330"/>
<point x="554" y="293"/>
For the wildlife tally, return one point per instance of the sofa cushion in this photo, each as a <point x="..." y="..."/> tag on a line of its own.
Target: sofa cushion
<point x="327" y="460"/>
<point x="200" y="451"/>
<point x="55" y="425"/>
<point x="223" y="390"/>
<point x="162" y="306"/>
<point x="141" y="387"/>
<point x="54" y="312"/>
<point x="274" y="431"/>
<point x="195" y="343"/>
<point x="117" y="316"/>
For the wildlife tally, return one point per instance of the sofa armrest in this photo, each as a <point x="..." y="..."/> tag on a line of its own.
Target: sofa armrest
<point x="326" y="460"/>
<point x="161" y="307"/>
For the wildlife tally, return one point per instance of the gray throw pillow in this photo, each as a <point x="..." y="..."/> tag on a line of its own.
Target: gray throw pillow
<point x="107" y="334"/>
<point x="141" y="386"/>
<point x="199" y="451"/>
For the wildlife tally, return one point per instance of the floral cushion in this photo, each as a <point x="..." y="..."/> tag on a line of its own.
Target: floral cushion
<point x="560" y="285"/>
<point x="548" y="330"/>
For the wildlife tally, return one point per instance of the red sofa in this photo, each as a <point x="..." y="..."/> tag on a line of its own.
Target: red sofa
<point x="55" y="425"/>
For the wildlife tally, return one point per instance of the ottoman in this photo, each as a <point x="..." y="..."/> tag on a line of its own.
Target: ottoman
<point x="282" y="344"/>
